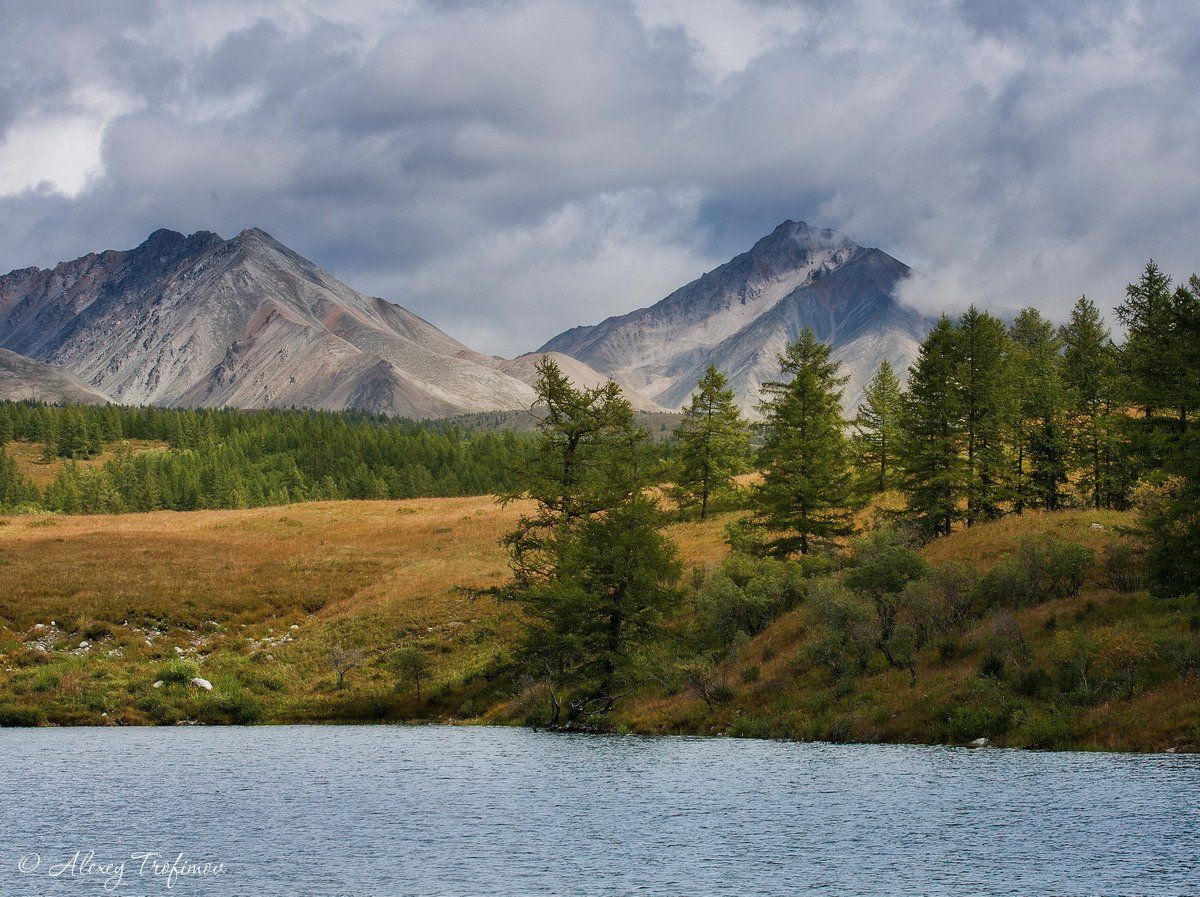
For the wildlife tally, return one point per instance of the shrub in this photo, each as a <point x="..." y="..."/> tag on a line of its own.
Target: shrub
<point x="1042" y="567"/>
<point x="751" y="673"/>
<point x="987" y="713"/>
<point x="744" y="595"/>
<point x="12" y="716"/>
<point x="1053" y="729"/>
<point x="236" y="706"/>
<point x="1123" y="566"/>
<point x="177" y="672"/>
<point x="1182" y="651"/>
<point x="45" y="680"/>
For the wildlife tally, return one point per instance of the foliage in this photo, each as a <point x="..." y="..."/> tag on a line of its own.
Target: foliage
<point x="711" y="443"/>
<point x="876" y="429"/>
<point x="805" y="498"/>
<point x="931" y="428"/>
<point x="235" y="459"/>
<point x="591" y="569"/>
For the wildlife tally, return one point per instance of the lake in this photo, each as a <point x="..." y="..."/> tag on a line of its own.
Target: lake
<point x="375" y="811"/>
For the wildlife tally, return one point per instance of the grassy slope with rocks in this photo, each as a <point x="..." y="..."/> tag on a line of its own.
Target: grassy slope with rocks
<point x="95" y="610"/>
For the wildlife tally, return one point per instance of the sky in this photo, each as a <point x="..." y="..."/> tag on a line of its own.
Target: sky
<point x="511" y="169"/>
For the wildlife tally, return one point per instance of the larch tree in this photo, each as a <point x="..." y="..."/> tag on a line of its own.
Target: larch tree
<point x="805" y="500"/>
<point x="876" y="428"/>
<point x="591" y="568"/>
<point x="983" y="384"/>
<point x="1149" y="355"/>
<point x="931" y="428"/>
<point x="1038" y="427"/>
<point x="711" y="444"/>
<point x="1090" y="378"/>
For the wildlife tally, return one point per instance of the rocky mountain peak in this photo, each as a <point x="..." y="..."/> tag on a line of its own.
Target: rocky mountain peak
<point x="740" y="315"/>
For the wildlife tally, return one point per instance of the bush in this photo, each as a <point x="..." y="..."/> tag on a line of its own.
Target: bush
<point x="1123" y="566"/>
<point x="236" y="706"/>
<point x="987" y="713"/>
<point x="1054" y="729"/>
<point x="744" y="595"/>
<point x="177" y="672"/>
<point x="1042" y="567"/>
<point x="751" y="673"/>
<point x="12" y="716"/>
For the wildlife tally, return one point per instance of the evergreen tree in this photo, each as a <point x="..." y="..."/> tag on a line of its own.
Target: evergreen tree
<point x="591" y="568"/>
<point x="14" y="488"/>
<point x="983" y="387"/>
<point x="931" y="426"/>
<point x="1090" y="378"/>
<point x="876" y="428"/>
<point x="1171" y="524"/>
<point x="1038" y="426"/>
<point x="1149" y="356"/>
<point x="805" y="498"/>
<point x="710" y="443"/>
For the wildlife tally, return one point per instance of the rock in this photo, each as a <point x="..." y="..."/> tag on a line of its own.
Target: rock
<point x="1097" y="526"/>
<point x="980" y="742"/>
<point x="158" y="684"/>
<point x="83" y="644"/>
<point x="202" y="683"/>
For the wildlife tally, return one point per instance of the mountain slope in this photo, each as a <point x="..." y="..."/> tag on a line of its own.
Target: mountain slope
<point x="26" y="380"/>
<point x="198" y="320"/>
<point x="740" y="315"/>
<point x="581" y="375"/>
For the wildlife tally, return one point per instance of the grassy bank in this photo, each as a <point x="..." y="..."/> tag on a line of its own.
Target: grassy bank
<point x="107" y="619"/>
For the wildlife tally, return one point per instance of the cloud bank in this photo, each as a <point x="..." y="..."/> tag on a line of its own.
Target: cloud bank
<point x="508" y="170"/>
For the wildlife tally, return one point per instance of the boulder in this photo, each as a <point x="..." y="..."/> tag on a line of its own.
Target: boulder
<point x="202" y="683"/>
<point x="980" y="742"/>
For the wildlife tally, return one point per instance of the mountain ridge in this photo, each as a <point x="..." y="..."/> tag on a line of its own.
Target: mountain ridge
<point x="245" y="322"/>
<point x="740" y="315"/>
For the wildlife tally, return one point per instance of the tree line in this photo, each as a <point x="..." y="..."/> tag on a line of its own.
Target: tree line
<point x="996" y="418"/>
<point x="240" y="459"/>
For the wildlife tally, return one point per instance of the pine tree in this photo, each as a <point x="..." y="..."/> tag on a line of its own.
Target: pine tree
<point x="876" y="428"/>
<point x="591" y="568"/>
<point x="710" y="443"/>
<point x="983" y="386"/>
<point x="931" y="427"/>
<point x="1038" y="427"/>
<point x="1090" y="377"/>
<point x="805" y="499"/>
<point x="1149" y="351"/>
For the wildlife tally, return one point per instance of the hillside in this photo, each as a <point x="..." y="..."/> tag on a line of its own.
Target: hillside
<point x="247" y="323"/>
<point x="95" y="610"/>
<point x="26" y="380"/>
<point x="740" y="316"/>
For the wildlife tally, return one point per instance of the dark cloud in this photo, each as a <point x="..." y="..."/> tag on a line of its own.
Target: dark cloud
<point x="511" y="169"/>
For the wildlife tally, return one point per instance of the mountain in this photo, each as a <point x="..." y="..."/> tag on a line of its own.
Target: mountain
<point x="199" y="320"/>
<point x="741" y="315"/>
<point x="25" y="380"/>
<point x="581" y="375"/>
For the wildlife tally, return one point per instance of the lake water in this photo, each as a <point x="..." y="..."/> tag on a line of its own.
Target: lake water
<point x="388" y="811"/>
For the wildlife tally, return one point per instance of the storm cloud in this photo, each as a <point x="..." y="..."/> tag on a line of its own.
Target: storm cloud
<point x="508" y="170"/>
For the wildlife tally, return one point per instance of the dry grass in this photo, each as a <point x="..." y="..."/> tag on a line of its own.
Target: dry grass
<point x="382" y="574"/>
<point x="28" y="456"/>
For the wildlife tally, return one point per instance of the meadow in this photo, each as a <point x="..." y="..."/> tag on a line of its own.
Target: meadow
<point x="108" y="619"/>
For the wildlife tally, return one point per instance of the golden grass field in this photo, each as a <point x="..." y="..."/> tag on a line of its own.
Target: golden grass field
<point x="252" y="601"/>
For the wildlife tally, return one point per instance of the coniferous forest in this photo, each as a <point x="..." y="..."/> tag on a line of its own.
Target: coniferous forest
<point x="241" y="459"/>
